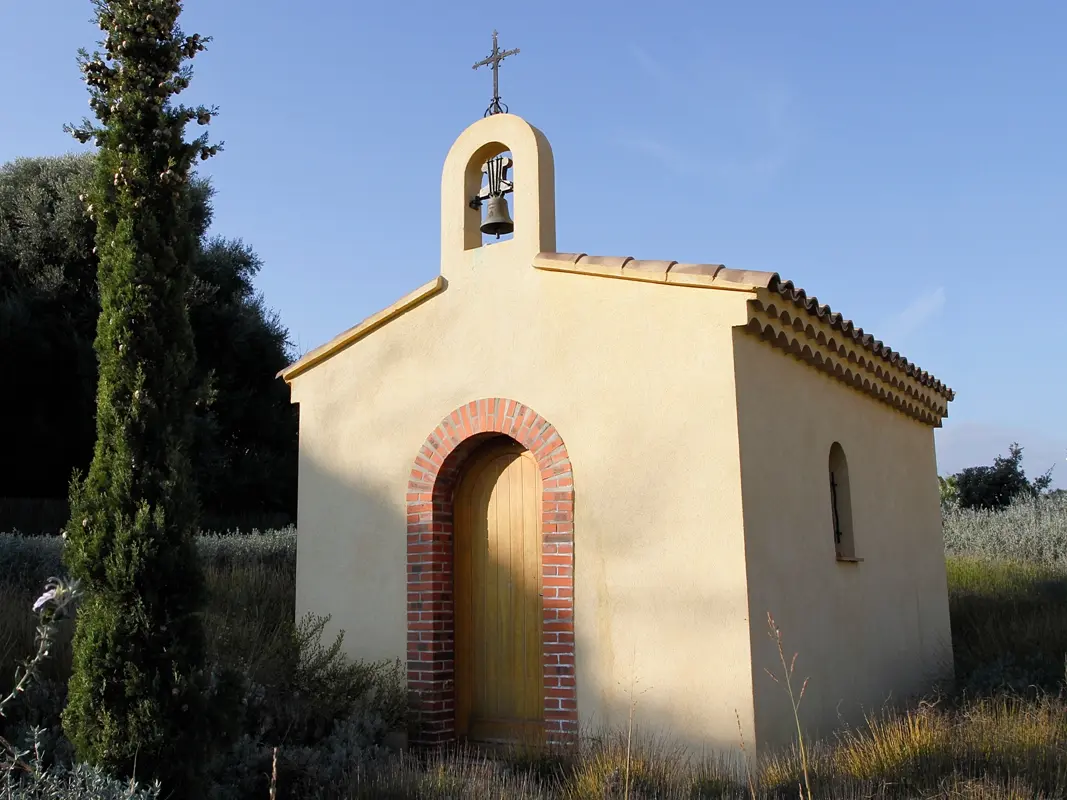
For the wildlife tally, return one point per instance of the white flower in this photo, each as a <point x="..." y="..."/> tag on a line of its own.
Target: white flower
<point x="44" y="598"/>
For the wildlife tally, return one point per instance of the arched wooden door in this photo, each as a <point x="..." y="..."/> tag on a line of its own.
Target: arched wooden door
<point x="497" y="518"/>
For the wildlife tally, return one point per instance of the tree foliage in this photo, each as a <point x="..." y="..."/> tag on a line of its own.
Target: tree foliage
<point x="246" y="444"/>
<point x="137" y="686"/>
<point x="949" y="491"/>
<point x="244" y="453"/>
<point x="48" y="312"/>
<point x="993" y="487"/>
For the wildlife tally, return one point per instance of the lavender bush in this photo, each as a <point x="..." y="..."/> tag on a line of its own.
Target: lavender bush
<point x="26" y="561"/>
<point x="1031" y="531"/>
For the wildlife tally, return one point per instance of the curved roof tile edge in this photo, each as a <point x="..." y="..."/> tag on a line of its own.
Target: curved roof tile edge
<point x="837" y="321"/>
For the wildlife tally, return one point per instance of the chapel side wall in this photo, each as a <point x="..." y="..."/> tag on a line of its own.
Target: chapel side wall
<point x="638" y="381"/>
<point x="866" y="633"/>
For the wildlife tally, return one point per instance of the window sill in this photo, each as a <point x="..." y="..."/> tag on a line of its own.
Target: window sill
<point x="849" y="559"/>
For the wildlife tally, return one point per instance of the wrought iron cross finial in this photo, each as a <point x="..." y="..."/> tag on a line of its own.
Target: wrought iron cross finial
<point x="493" y="60"/>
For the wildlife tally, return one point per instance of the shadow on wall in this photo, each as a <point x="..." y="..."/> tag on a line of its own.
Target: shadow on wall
<point x="352" y="565"/>
<point x="831" y="701"/>
<point x="350" y="561"/>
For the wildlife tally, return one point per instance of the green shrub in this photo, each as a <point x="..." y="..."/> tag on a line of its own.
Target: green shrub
<point x="994" y="487"/>
<point x="334" y="687"/>
<point x="327" y="714"/>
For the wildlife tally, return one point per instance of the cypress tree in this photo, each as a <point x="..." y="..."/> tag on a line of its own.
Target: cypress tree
<point x="136" y="691"/>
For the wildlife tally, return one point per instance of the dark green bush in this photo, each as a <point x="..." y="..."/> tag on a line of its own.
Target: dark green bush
<point x="326" y="714"/>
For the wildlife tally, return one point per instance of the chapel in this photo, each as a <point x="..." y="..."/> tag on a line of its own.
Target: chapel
<point x="559" y="485"/>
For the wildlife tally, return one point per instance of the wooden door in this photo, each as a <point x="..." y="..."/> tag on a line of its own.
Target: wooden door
<point x="497" y="524"/>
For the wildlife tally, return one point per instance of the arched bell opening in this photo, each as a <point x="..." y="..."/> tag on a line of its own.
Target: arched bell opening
<point x="490" y="184"/>
<point x="531" y="204"/>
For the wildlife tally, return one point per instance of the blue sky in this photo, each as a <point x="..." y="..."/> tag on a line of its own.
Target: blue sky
<point x="906" y="162"/>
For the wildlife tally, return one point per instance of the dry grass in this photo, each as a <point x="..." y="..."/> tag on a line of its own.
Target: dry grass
<point x="891" y="760"/>
<point x="1002" y="735"/>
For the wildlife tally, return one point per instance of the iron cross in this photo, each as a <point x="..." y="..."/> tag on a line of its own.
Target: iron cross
<point x="493" y="60"/>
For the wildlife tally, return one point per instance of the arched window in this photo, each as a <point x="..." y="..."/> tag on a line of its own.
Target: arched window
<point x="841" y="504"/>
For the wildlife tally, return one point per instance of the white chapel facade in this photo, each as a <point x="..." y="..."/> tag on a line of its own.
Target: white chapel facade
<point x="543" y="476"/>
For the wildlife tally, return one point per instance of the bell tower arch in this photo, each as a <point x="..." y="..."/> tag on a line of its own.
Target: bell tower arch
<point x="533" y="195"/>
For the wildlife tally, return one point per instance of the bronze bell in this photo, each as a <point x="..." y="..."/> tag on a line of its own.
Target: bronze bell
<point x="497" y="219"/>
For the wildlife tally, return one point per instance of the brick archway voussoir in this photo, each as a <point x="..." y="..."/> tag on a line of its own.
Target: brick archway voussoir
<point x="431" y="626"/>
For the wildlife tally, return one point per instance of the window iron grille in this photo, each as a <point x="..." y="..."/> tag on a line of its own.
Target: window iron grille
<point x="833" y="507"/>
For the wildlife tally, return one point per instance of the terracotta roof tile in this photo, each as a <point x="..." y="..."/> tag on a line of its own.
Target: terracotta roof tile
<point x="800" y="298"/>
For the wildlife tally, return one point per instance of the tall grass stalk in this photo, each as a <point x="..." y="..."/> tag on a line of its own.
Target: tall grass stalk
<point x="744" y="754"/>
<point x="794" y="699"/>
<point x="274" y="773"/>
<point x="630" y="725"/>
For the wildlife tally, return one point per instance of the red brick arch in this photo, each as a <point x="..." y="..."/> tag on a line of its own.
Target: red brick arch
<point x="431" y="632"/>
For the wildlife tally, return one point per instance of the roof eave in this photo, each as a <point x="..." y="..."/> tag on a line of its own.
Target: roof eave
<point x="354" y="334"/>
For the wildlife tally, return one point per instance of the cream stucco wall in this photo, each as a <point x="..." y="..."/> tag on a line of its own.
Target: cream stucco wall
<point x="866" y="633"/>
<point x="699" y="457"/>
<point x="638" y="380"/>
